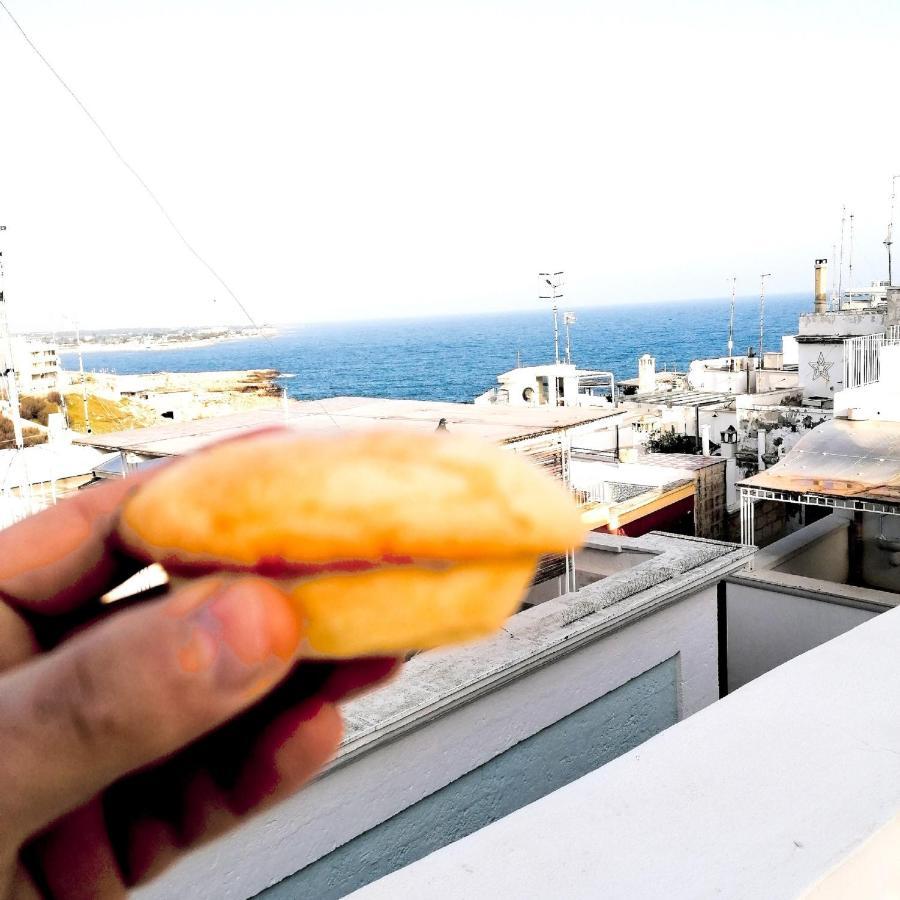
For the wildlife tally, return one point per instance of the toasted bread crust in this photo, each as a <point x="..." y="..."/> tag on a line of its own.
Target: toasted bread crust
<point x="394" y="611"/>
<point x="364" y="495"/>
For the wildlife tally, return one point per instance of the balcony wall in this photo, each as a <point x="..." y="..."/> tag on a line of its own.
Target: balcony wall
<point x="466" y="736"/>
<point x="789" y="787"/>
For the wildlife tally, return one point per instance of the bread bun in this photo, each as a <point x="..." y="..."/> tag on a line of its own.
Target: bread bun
<point x="389" y="541"/>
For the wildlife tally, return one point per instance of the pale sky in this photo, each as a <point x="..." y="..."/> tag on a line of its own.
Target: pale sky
<point x="340" y="160"/>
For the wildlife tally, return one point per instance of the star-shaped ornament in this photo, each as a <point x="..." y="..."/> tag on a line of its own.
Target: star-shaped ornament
<point x="821" y="368"/>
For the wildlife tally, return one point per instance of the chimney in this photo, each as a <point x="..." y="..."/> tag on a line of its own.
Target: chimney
<point x="646" y="374"/>
<point x="821" y="297"/>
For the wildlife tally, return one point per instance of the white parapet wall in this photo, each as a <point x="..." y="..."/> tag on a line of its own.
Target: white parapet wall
<point x="789" y="784"/>
<point x="465" y="736"/>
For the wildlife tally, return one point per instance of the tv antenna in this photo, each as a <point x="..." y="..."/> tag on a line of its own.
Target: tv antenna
<point x="890" y="234"/>
<point x="850" y="270"/>
<point x="568" y="319"/>
<point x="731" y="320"/>
<point x="841" y="260"/>
<point x="84" y="397"/>
<point x="762" y="313"/>
<point x="9" y="370"/>
<point x="550" y="288"/>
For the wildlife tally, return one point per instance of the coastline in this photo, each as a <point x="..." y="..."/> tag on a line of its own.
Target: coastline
<point x="135" y="347"/>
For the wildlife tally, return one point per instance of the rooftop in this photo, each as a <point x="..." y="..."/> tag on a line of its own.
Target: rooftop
<point x="685" y="397"/>
<point x="500" y="423"/>
<point x="442" y="678"/>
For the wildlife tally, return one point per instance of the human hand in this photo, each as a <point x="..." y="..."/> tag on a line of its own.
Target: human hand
<point x="129" y="736"/>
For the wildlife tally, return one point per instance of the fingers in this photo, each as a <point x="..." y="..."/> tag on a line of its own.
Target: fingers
<point x="17" y="641"/>
<point x="54" y="560"/>
<point x="260" y="756"/>
<point x="286" y="754"/>
<point x="136" y="688"/>
<point x="74" y="860"/>
<point x="355" y="677"/>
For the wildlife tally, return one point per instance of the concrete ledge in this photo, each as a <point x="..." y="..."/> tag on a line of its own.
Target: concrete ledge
<point x="435" y="683"/>
<point x="451" y="712"/>
<point x="784" y="550"/>
<point x="866" y="598"/>
<point x="757" y="796"/>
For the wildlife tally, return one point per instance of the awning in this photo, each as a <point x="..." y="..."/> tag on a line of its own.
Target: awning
<point x="853" y="464"/>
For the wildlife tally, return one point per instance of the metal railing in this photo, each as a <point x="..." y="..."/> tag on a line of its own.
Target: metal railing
<point x="862" y="356"/>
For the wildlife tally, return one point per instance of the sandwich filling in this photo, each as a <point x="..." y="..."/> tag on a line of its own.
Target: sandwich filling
<point x="279" y="568"/>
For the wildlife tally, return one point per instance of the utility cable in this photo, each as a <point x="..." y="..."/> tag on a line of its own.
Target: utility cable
<point x="190" y="247"/>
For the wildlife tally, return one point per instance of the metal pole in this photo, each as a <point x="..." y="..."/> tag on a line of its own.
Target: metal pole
<point x="747" y="520"/>
<point x="84" y="399"/>
<point x="555" y="330"/>
<point x="553" y="281"/>
<point x="833" y="256"/>
<point x="890" y="234"/>
<point x="731" y="321"/>
<point x="12" y="390"/>
<point x="9" y="371"/>
<point x="762" y="314"/>
<point x="850" y="272"/>
<point x="568" y="321"/>
<point x="841" y="261"/>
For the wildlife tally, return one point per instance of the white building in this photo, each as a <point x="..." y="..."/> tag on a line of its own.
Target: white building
<point x="560" y="384"/>
<point x="36" y="365"/>
<point x="838" y="349"/>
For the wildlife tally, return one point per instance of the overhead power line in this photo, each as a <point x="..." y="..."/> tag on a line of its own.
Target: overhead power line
<point x="118" y="154"/>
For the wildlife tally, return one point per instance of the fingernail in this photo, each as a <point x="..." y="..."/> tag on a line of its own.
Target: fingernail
<point x="246" y="630"/>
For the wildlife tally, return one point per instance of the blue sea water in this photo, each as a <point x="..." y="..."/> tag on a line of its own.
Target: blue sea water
<point x="456" y="358"/>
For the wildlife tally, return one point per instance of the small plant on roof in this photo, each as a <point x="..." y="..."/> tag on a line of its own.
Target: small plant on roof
<point x="671" y="442"/>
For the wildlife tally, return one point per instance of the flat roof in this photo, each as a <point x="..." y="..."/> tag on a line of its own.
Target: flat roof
<point x="685" y="397"/>
<point x="500" y="423"/>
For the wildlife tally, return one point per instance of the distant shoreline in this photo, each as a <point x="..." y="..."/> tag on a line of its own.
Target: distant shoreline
<point x="134" y="347"/>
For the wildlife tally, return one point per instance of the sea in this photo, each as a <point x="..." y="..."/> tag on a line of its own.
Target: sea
<point x="456" y="358"/>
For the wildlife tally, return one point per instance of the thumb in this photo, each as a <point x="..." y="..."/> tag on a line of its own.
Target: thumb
<point x="135" y="688"/>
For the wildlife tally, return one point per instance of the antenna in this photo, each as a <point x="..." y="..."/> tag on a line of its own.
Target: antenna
<point x="731" y="320"/>
<point x="568" y="319"/>
<point x="9" y="370"/>
<point x="549" y="288"/>
<point x="762" y="313"/>
<point x="850" y="272"/>
<point x="841" y="260"/>
<point x="833" y="289"/>
<point x="84" y="399"/>
<point x="890" y="238"/>
<point x="12" y="392"/>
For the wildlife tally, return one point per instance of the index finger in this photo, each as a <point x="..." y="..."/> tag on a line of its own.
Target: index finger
<point x="55" y="560"/>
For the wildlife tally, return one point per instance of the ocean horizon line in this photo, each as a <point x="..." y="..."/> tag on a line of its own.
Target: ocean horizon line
<point x="541" y="307"/>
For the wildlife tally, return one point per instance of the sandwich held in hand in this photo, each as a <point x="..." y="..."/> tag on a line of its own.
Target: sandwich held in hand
<point x="389" y="541"/>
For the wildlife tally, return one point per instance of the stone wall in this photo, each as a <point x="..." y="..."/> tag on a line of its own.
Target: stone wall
<point x="709" y="502"/>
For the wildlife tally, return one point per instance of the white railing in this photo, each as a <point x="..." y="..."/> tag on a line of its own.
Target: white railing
<point x="862" y="356"/>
